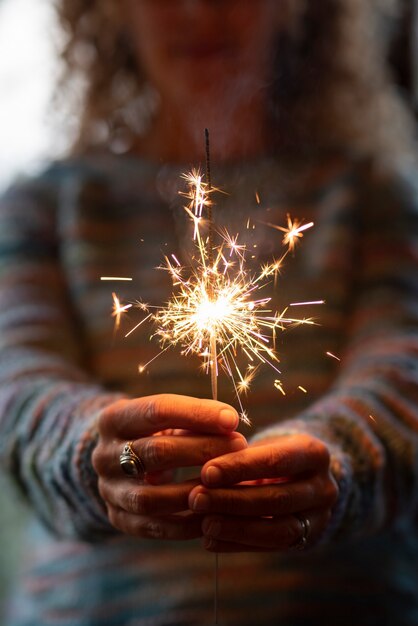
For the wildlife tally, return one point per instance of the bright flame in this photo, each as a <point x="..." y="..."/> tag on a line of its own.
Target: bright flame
<point x="215" y="310"/>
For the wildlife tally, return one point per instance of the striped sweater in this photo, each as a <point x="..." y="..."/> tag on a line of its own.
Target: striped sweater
<point x="61" y="363"/>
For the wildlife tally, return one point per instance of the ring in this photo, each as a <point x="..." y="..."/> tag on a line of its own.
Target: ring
<point x="130" y="462"/>
<point x="306" y="526"/>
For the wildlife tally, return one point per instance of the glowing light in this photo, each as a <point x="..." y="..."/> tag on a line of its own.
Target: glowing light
<point x="307" y="303"/>
<point x="332" y="356"/>
<point x="216" y="310"/>
<point x="279" y="386"/>
<point x="293" y="232"/>
<point x="118" y="310"/>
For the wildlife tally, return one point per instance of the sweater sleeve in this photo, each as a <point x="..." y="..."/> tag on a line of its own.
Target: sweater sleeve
<point x="369" y="417"/>
<point x="48" y="403"/>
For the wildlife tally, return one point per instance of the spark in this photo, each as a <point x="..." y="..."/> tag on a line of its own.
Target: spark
<point x="138" y="325"/>
<point x="307" y="303"/>
<point x="118" y="310"/>
<point x="302" y="388"/>
<point x="332" y="356"/>
<point x="244" y="418"/>
<point x="293" y="232"/>
<point x="233" y="245"/>
<point x="198" y="192"/>
<point x="114" y="278"/>
<point x="279" y="386"/>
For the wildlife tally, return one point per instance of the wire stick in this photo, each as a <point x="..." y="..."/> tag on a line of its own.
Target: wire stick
<point x="214" y="383"/>
<point x="209" y="184"/>
<point x="215" y="608"/>
<point x="213" y="350"/>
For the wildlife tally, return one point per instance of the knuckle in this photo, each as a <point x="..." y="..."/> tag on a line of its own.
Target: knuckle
<point x="151" y="529"/>
<point x="285" y="535"/>
<point x="134" y="502"/>
<point x="157" y="409"/>
<point x="311" y="492"/>
<point x="98" y="459"/>
<point x="114" y="518"/>
<point x="283" y="501"/>
<point x="322" y="453"/>
<point x="106" y="419"/>
<point x="273" y="458"/>
<point x="156" y="451"/>
<point x="319" y="524"/>
<point x="197" y="409"/>
<point x="316" y="449"/>
<point x="95" y="458"/>
<point x="149" y="408"/>
<point x="102" y="488"/>
<point x="326" y="489"/>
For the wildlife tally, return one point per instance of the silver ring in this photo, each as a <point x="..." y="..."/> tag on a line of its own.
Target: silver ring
<point x="305" y="527"/>
<point x="130" y="462"/>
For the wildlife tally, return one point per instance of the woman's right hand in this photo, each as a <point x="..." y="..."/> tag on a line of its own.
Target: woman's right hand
<point x="166" y="432"/>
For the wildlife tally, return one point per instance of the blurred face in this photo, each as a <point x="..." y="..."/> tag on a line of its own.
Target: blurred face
<point x="195" y="50"/>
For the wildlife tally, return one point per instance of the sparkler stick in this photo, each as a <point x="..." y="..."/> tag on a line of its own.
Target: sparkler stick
<point x="213" y="350"/>
<point x="212" y="342"/>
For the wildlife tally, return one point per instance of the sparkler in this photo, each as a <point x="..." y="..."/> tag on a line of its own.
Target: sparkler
<point x="217" y="309"/>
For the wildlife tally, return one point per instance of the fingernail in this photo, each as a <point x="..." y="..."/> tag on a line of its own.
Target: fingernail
<point x="211" y="527"/>
<point x="201" y="502"/>
<point x="213" y="475"/>
<point x="238" y="444"/>
<point x="228" y="419"/>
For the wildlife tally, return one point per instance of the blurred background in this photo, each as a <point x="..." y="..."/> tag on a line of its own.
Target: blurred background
<point x="29" y="39"/>
<point x="30" y="137"/>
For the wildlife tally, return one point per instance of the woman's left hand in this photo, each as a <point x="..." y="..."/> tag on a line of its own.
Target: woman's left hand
<point x="275" y="495"/>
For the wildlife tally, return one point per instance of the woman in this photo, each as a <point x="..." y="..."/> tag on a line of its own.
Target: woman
<point x="316" y="506"/>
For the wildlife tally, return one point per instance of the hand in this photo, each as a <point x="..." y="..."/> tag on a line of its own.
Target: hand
<point x="166" y="432"/>
<point x="255" y="499"/>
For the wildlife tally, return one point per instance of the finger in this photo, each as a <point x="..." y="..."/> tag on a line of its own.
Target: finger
<point x="164" y="453"/>
<point x="273" y="499"/>
<point x="160" y="478"/>
<point x="173" y="527"/>
<point x="282" y="533"/>
<point x="131" y="419"/>
<point x="288" y="456"/>
<point x="146" y="500"/>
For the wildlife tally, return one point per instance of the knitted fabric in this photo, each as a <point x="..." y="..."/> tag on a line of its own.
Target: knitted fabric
<point x="61" y="363"/>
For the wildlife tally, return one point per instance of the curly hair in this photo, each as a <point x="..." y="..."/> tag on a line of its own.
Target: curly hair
<point x="332" y="85"/>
